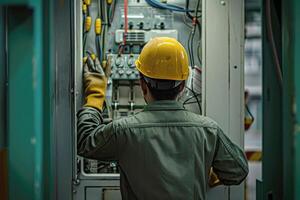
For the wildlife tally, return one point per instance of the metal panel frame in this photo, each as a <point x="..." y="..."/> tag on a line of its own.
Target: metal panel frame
<point x="272" y="116"/>
<point x="296" y="20"/>
<point x="77" y="20"/>
<point x="281" y="125"/>
<point x="80" y="192"/>
<point x="287" y="99"/>
<point x="27" y="138"/>
<point x="3" y="107"/>
<point x="3" y="79"/>
<point x="291" y="98"/>
<point x="223" y="83"/>
<point x="21" y="147"/>
<point x="63" y="111"/>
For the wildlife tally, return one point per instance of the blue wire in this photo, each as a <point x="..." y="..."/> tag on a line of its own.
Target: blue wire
<point x="99" y="48"/>
<point x="171" y="7"/>
<point x="155" y="4"/>
<point x="165" y="6"/>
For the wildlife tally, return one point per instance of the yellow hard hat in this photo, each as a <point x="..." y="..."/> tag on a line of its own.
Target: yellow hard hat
<point x="163" y="58"/>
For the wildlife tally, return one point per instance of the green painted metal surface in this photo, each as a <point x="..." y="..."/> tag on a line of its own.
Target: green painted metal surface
<point x="21" y="133"/>
<point x="259" y="190"/>
<point x="285" y="161"/>
<point x="287" y="107"/>
<point x="48" y="100"/>
<point x="29" y="3"/>
<point x="2" y="83"/>
<point x="297" y="153"/>
<point x="296" y="9"/>
<point x="291" y="63"/>
<point x="272" y="162"/>
<point x="38" y="117"/>
<point x="282" y="157"/>
<point x="29" y="114"/>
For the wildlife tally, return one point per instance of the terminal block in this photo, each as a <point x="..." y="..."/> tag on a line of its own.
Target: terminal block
<point x="123" y="67"/>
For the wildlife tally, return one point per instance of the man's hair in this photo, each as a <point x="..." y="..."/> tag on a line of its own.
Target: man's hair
<point x="168" y="94"/>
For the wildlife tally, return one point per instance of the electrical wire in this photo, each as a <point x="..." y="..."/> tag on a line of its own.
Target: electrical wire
<point x="187" y="4"/>
<point x="108" y="14"/>
<point x="273" y="45"/>
<point x="111" y="12"/>
<point x="84" y="35"/>
<point x="189" y="48"/>
<point x="99" y="51"/>
<point x="248" y="111"/>
<point x="195" y="25"/>
<point x="83" y="23"/>
<point x="196" y="18"/>
<point x="198" y="52"/>
<point x="98" y="34"/>
<point x="100" y="14"/>
<point x="120" y="49"/>
<point x="126" y="20"/>
<point x="172" y="7"/>
<point x="192" y="47"/>
<point x="198" y="46"/>
<point x="197" y="10"/>
<point x="103" y="41"/>
<point x="88" y="10"/>
<point x="185" y="22"/>
<point x="187" y="101"/>
<point x="84" y="39"/>
<point x="88" y="52"/>
<point x="188" y="13"/>
<point x="102" y="165"/>
<point x="100" y="44"/>
<point x="195" y="95"/>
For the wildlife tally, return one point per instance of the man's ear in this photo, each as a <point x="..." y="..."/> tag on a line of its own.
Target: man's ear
<point x="143" y="87"/>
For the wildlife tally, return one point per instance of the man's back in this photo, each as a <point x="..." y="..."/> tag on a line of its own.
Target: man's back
<point x="164" y="152"/>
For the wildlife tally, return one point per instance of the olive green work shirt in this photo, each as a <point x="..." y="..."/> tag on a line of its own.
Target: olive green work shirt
<point x="164" y="151"/>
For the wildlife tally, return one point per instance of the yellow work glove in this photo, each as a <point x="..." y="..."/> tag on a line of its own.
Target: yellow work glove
<point x="213" y="179"/>
<point x="95" y="83"/>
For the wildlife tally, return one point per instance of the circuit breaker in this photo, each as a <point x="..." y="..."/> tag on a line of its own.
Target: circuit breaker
<point x="116" y="31"/>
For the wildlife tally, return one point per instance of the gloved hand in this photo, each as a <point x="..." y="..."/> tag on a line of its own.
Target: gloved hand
<point x="95" y="83"/>
<point x="213" y="179"/>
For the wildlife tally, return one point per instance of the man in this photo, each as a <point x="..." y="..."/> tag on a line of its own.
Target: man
<point x="165" y="151"/>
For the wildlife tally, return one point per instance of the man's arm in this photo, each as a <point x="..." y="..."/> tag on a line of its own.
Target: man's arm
<point x="94" y="139"/>
<point x="230" y="163"/>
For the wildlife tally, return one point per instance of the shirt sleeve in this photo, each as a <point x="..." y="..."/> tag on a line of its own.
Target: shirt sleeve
<point x="95" y="140"/>
<point x="230" y="163"/>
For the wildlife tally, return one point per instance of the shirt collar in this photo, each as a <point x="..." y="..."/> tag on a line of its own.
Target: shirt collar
<point x="164" y="105"/>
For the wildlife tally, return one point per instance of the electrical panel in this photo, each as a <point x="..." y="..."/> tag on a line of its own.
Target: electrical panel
<point x="117" y="45"/>
<point x="115" y="33"/>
